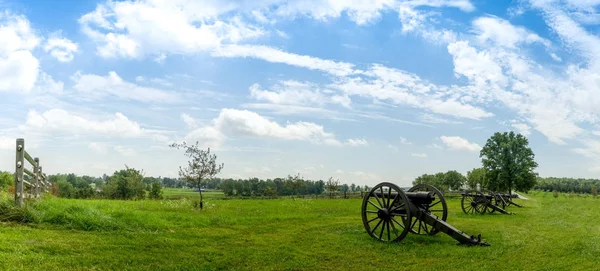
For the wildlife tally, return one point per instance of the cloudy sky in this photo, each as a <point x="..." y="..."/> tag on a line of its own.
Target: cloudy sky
<point x="362" y="90"/>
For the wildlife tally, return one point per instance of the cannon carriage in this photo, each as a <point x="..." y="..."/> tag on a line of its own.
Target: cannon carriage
<point x="389" y="214"/>
<point x="477" y="202"/>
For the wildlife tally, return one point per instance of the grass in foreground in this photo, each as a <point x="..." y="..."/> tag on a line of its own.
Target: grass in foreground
<point x="301" y="234"/>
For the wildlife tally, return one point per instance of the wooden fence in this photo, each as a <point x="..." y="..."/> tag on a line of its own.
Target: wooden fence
<point x="28" y="183"/>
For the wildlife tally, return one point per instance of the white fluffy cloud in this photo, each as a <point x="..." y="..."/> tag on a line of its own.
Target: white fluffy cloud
<point x="244" y="123"/>
<point x="18" y="67"/>
<point x="61" y="48"/>
<point x="61" y="122"/>
<point x="135" y="29"/>
<point x="91" y="85"/>
<point x="139" y="28"/>
<point x="460" y="144"/>
<point x="298" y="93"/>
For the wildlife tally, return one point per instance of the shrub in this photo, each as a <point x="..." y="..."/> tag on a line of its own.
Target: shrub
<point x="555" y="194"/>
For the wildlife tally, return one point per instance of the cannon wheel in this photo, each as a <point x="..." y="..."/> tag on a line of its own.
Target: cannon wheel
<point x="390" y="214"/>
<point x="498" y="201"/>
<point x="441" y="211"/>
<point x="474" y="202"/>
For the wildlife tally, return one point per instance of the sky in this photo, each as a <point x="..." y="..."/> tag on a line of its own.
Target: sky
<point x="363" y="91"/>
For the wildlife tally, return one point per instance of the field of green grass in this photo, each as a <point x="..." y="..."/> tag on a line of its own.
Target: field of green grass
<point x="180" y="193"/>
<point x="286" y="234"/>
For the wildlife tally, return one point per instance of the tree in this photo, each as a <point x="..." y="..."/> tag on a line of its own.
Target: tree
<point x="453" y="180"/>
<point x="509" y="162"/>
<point x="155" y="191"/>
<point x="125" y="184"/>
<point x="202" y="166"/>
<point x="332" y="186"/>
<point x="475" y="177"/>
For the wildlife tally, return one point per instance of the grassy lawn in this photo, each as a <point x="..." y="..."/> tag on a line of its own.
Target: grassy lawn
<point x="301" y="234"/>
<point x="179" y="193"/>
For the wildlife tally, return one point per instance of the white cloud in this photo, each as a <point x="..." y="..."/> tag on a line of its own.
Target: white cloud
<point x="292" y="92"/>
<point x="277" y="56"/>
<point x="403" y="88"/>
<point x="90" y="85"/>
<point x="135" y="29"/>
<point x="125" y="151"/>
<point x="246" y="123"/>
<point x="98" y="147"/>
<point x="139" y="28"/>
<point x="502" y="33"/>
<point x="18" y="67"/>
<point x="59" y="121"/>
<point x="207" y="137"/>
<point x="61" y="48"/>
<point x="419" y="155"/>
<point x="189" y="121"/>
<point x="522" y="128"/>
<point x="357" y="142"/>
<point x="459" y="144"/>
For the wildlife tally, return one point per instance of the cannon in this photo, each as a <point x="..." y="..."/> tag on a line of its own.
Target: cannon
<point x="389" y="214"/>
<point x="507" y="198"/>
<point x="476" y="202"/>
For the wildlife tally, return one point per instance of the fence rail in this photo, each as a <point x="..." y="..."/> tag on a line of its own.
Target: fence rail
<point x="28" y="183"/>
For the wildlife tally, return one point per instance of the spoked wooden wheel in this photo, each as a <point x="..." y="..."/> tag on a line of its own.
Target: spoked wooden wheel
<point x="437" y="207"/>
<point x="474" y="202"/>
<point x="385" y="213"/>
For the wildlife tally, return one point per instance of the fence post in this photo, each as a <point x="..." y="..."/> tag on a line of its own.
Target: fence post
<point x="36" y="177"/>
<point x="19" y="171"/>
<point x="42" y="179"/>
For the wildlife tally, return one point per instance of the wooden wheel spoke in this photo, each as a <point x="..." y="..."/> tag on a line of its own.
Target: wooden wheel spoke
<point x="372" y="219"/>
<point x="374" y="229"/>
<point x="378" y="208"/>
<point x="435" y="204"/>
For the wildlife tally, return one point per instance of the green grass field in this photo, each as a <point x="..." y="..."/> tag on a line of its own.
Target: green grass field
<point x="179" y="193"/>
<point x="285" y="234"/>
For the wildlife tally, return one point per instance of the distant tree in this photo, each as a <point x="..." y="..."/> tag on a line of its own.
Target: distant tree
<point x="475" y="177"/>
<point x="332" y="186"/>
<point x="595" y="192"/>
<point x="125" y="184"/>
<point x="436" y="180"/>
<point x="509" y="162"/>
<point x="155" y="191"/>
<point x="453" y="179"/>
<point x="352" y="187"/>
<point x="202" y="166"/>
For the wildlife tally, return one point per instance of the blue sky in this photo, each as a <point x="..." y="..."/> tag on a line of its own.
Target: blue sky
<point x="364" y="91"/>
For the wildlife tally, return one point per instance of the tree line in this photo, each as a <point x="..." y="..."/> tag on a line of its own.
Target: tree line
<point x="567" y="185"/>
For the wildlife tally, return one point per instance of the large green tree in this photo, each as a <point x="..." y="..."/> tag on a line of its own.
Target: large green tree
<point x="509" y="162"/>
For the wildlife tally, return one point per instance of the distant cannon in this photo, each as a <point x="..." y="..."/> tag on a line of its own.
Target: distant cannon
<point x="399" y="212"/>
<point x="476" y="202"/>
